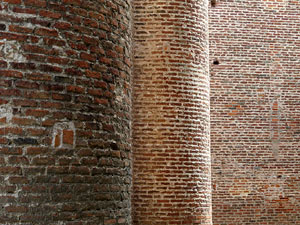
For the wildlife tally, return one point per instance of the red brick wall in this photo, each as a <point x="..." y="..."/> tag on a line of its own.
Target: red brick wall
<point x="171" y="113"/>
<point x="255" y="111"/>
<point x="65" y="112"/>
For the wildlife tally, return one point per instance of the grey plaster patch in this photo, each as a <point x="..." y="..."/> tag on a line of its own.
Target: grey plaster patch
<point x="12" y="51"/>
<point x="275" y="143"/>
<point x="6" y="111"/>
<point x="275" y="118"/>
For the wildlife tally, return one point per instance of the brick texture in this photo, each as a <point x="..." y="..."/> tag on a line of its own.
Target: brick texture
<point x="65" y="109"/>
<point x="171" y="113"/>
<point x="255" y="111"/>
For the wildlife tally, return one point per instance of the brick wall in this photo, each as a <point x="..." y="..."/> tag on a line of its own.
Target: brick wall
<point x="65" y="112"/>
<point x="171" y="175"/>
<point x="65" y="101"/>
<point x="255" y="111"/>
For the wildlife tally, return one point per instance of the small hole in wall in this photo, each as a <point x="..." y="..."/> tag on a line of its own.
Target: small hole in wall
<point x="216" y="62"/>
<point x="213" y="3"/>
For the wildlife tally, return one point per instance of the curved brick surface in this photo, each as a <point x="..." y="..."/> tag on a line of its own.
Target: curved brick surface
<point x="171" y="113"/>
<point x="65" y="112"/>
<point x="255" y="111"/>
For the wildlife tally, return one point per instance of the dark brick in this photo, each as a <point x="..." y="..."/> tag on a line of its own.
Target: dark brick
<point x="25" y="141"/>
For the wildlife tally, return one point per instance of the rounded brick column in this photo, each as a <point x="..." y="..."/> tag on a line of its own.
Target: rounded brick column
<point x="65" y="112"/>
<point x="171" y="183"/>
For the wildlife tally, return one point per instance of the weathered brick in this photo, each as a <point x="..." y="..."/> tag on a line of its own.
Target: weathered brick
<point x="49" y="68"/>
<point x="36" y="94"/>
<point x="11" y="151"/>
<point x="82" y="64"/>
<point x="16" y="209"/>
<point x="61" y="97"/>
<point x="52" y="41"/>
<point x="93" y="74"/>
<point x="35" y="3"/>
<point x="62" y="25"/>
<point x="43" y="161"/>
<point x="10" y="92"/>
<point x="101" y="101"/>
<point x="36" y="150"/>
<point x="10" y="170"/>
<point x="36" y="112"/>
<point x="23" y="66"/>
<point x="75" y="89"/>
<point x="88" y="57"/>
<point x="50" y="14"/>
<point x="36" y="132"/>
<point x="24" y="10"/>
<point x="38" y="50"/>
<point x="11" y="73"/>
<point x="54" y="105"/>
<point x="46" y="32"/>
<point x="23" y="121"/>
<point x="19" y="102"/>
<point x="13" y="1"/>
<point x="18" y="160"/>
<point x="58" y="60"/>
<point x="18" y="180"/>
<point x="95" y="92"/>
<point x="38" y="77"/>
<point x="111" y="221"/>
<point x="19" y="29"/>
